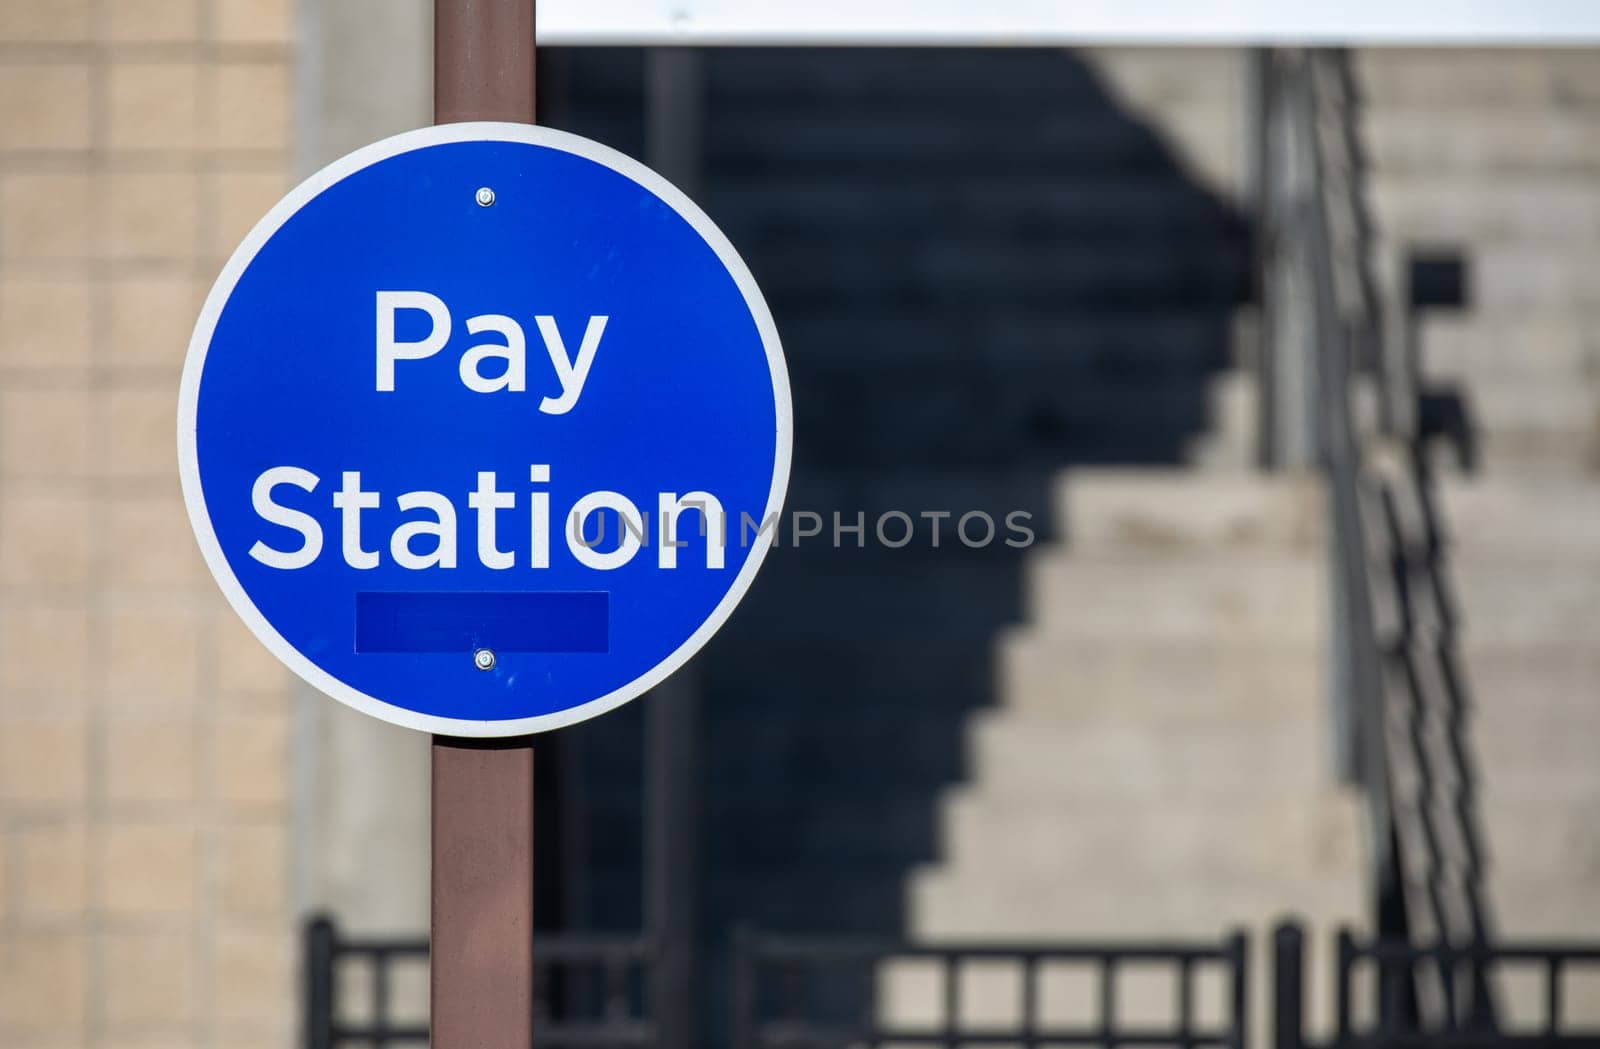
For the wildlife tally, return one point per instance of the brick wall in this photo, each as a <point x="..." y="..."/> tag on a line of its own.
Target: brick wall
<point x="144" y="809"/>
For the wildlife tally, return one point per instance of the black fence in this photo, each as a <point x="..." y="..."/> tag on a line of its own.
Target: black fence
<point x="589" y="991"/>
<point x="807" y="993"/>
<point x="828" y="992"/>
<point x="1393" y="995"/>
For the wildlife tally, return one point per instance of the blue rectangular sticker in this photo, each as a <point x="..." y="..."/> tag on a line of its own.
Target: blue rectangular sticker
<point x="549" y="621"/>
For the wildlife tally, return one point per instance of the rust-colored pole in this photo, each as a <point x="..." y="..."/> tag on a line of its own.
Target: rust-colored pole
<point x="483" y="60"/>
<point x="482" y="949"/>
<point x="482" y="944"/>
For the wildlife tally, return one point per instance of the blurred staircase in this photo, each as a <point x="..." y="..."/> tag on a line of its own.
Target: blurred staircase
<point x="987" y="268"/>
<point x="1158" y="761"/>
<point x="1005" y="280"/>
<point x="1154" y="762"/>
<point x="1158" y="764"/>
<point x="1496" y="155"/>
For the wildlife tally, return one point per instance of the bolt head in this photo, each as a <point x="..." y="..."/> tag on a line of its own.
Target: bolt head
<point x="483" y="659"/>
<point x="484" y="197"/>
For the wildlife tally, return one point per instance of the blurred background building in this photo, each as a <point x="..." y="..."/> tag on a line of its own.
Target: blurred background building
<point x="1290" y="356"/>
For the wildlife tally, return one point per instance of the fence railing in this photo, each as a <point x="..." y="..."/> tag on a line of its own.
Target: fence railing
<point x="831" y="992"/>
<point x="589" y="990"/>
<point x="805" y="992"/>
<point x="1373" y="976"/>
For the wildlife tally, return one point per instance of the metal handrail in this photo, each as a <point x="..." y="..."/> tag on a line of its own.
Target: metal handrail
<point x="1329" y="316"/>
<point x="1322" y="322"/>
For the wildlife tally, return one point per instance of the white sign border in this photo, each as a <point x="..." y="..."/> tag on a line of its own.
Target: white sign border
<point x="200" y="344"/>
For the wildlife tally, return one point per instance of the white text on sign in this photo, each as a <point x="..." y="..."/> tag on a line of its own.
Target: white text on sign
<point x="435" y="524"/>
<point x="570" y="372"/>
<point x="427" y="539"/>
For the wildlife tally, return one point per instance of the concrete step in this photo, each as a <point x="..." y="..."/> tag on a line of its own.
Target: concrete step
<point x="1069" y="368"/>
<point x="1466" y="138"/>
<point x="996" y="270"/>
<point x="1029" y="758"/>
<point x="1514" y="685"/>
<point x="1531" y="277"/>
<point x="779" y="830"/>
<point x="1551" y="765"/>
<point x="1134" y="681"/>
<point x="1041" y="904"/>
<point x="845" y="753"/>
<point x="1446" y="205"/>
<point x="1528" y="603"/>
<point x="1478" y="347"/>
<point x="1538" y="78"/>
<point x="1175" y="510"/>
<point x="857" y="139"/>
<point x="903" y="672"/>
<point x="963" y="419"/>
<point x="1269" y="594"/>
<point x="1553" y="908"/>
<point x="1264" y="836"/>
<point x="1003" y="202"/>
<point x="1531" y="838"/>
<point x="965" y="77"/>
<point x="1566" y="407"/>
<point x="1092" y="344"/>
<point x="841" y="899"/>
<point x="1178" y="510"/>
<point x="1520" y="519"/>
<point x="1545" y="454"/>
<point x="1095" y="509"/>
<point x="1219" y="453"/>
<point x="950" y="593"/>
<point x="872" y="494"/>
<point x="1550" y="908"/>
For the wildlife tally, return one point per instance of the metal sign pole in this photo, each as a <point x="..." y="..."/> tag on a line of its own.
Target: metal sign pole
<point x="482" y="943"/>
<point x="482" y="946"/>
<point x="483" y="60"/>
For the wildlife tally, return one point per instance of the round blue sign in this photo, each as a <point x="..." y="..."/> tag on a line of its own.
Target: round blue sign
<point x="484" y="429"/>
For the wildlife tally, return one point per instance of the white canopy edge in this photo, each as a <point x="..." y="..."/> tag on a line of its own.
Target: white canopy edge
<point x="1003" y="23"/>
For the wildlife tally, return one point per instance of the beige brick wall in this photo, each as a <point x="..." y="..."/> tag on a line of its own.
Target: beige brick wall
<point x="144" y="765"/>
